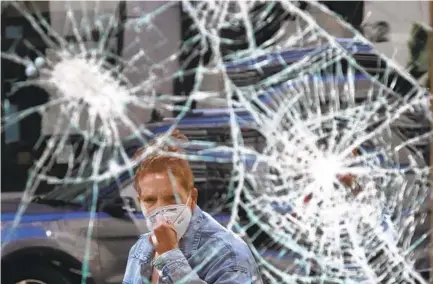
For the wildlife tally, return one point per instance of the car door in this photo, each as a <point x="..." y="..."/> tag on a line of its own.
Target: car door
<point x="117" y="232"/>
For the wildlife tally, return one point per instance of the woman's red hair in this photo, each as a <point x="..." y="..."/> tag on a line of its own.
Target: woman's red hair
<point x="163" y="163"/>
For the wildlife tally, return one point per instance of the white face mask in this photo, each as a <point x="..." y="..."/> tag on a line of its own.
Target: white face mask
<point x="179" y="215"/>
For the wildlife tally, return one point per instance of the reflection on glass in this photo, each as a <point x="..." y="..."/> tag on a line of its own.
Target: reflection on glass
<point x="12" y="131"/>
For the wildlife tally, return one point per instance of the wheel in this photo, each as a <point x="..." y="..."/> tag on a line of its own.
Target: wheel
<point x="36" y="274"/>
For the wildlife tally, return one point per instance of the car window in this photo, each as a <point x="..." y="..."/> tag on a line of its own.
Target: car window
<point x="110" y="188"/>
<point x="212" y="181"/>
<point x="129" y="191"/>
<point x="12" y="132"/>
<point x="77" y="191"/>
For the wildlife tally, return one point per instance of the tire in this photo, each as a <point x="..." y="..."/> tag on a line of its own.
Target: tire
<point x="44" y="274"/>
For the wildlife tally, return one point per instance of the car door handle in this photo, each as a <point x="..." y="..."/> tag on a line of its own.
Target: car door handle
<point x="129" y="209"/>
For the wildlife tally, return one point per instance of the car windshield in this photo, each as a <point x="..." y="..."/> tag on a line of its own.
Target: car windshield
<point x="79" y="192"/>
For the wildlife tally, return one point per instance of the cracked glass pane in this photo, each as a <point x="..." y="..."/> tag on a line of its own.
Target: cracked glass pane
<point x="316" y="151"/>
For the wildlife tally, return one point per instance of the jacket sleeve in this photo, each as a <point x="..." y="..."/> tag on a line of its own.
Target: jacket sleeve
<point x="134" y="270"/>
<point x="131" y="272"/>
<point x="131" y="268"/>
<point x="174" y="268"/>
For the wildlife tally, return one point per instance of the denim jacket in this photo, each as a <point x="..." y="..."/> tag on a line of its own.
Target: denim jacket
<point x="207" y="253"/>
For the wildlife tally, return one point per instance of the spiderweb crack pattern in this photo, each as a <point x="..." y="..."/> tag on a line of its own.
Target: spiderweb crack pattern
<point x="91" y="94"/>
<point x="89" y="85"/>
<point x="311" y="129"/>
<point x="293" y="191"/>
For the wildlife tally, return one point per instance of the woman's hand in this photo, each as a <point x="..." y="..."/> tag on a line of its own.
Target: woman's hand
<point x="165" y="235"/>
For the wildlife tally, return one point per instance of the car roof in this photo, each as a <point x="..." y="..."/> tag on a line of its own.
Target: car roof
<point x="292" y="55"/>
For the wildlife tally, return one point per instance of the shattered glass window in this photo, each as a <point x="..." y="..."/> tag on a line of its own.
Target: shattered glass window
<point x="319" y="152"/>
